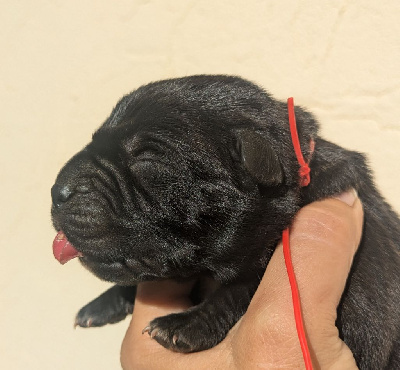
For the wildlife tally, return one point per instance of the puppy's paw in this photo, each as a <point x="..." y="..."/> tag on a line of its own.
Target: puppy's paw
<point x="110" y="307"/>
<point x="187" y="331"/>
<point x="94" y="314"/>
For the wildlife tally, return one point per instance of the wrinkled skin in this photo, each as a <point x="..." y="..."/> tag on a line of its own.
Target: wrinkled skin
<point x="195" y="179"/>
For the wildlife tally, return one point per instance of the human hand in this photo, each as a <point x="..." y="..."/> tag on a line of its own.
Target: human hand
<point x="324" y="238"/>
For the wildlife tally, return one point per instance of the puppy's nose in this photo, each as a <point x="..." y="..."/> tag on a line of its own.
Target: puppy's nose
<point x="60" y="194"/>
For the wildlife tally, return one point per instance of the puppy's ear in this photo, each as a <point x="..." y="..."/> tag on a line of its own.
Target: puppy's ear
<point x="259" y="159"/>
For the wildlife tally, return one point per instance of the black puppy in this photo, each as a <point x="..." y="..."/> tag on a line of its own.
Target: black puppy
<point x="195" y="178"/>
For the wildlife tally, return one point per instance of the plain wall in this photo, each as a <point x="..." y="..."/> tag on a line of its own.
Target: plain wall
<point x="64" y="65"/>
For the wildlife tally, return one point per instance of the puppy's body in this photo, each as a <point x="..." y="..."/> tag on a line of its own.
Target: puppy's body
<point x="196" y="178"/>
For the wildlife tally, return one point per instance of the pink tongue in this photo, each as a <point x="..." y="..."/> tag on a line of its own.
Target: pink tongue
<point x="63" y="250"/>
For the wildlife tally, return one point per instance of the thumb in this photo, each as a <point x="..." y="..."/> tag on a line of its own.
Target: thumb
<point x="324" y="238"/>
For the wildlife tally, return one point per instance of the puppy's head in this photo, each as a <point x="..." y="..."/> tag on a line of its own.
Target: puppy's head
<point x="187" y="176"/>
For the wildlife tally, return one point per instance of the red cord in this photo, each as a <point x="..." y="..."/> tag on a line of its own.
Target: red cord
<point x="304" y="173"/>
<point x="296" y="301"/>
<point x="304" y="170"/>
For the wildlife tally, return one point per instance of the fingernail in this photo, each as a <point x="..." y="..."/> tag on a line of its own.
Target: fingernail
<point x="348" y="197"/>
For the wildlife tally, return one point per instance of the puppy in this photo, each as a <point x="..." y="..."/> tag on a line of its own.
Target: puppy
<point x="196" y="178"/>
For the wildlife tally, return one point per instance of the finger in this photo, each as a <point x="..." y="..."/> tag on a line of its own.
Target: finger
<point x="324" y="238"/>
<point x="139" y="351"/>
<point x="153" y="299"/>
<point x="166" y="296"/>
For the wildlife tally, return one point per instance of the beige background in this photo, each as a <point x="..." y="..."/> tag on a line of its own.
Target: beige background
<point x="63" y="66"/>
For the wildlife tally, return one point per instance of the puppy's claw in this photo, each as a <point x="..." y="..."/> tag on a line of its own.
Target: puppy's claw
<point x="174" y="339"/>
<point x="146" y="329"/>
<point x="83" y="324"/>
<point x="153" y="333"/>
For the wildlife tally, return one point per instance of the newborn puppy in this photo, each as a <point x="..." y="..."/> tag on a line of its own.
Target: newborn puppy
<point x="195" y="178"/>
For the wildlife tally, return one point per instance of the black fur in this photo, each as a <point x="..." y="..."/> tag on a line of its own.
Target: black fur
<point x="196" y="178"/>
